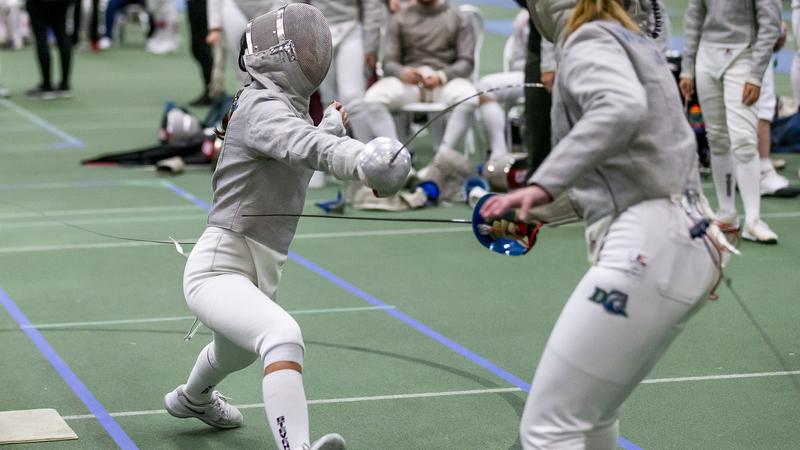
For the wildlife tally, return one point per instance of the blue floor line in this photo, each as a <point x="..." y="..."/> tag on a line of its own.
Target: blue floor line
<point x="399" y="315"/>
<point x="67" y="140"/>
<point x="81" y="391"/>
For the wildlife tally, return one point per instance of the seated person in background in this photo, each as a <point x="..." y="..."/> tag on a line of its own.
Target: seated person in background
<point x="495" y="105"/>
<point x="428" y="57"/>
<point x="115" y="7"/>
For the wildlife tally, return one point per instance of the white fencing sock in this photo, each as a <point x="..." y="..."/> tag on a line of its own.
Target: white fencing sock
<point x="495" y="119"/>
<point x="203" y="378"/>
<point x="724" y="175"/>
<point x="457" y="125"/>
<point x="287" y="412"/>
<point x="748" y="175"/>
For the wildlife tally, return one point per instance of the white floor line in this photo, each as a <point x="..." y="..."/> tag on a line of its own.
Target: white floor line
<point x="449" y="393"/>
<point x="324" y="401"/>
<point x="55" y="223"/>
<point x="82" y="127"/>
<point x="720" y="377"/>
<point x="201" y="217"/>
<point x="42" y="123"/>
<point x="98" y="245"/>
<point x="92" y="184"/>
<point x="123" y="244"/>
<point x="44" y="326"/>
<point x="779" y="215"/>
<point x="402" y="232"/>
<point x="100" y="211"/>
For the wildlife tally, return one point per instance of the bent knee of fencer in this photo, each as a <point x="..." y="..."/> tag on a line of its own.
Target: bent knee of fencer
<point x="718" y="141"/>
<point x="744" y="148"/>
<point x="282" y="342"/>
<point x="387" y="91"/>
<point x="546" y="430"/>
<point x="227" y="357"/>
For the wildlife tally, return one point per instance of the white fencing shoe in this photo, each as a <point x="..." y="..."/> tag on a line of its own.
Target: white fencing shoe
<point x="759" y="232"/>
<point x="330" y="441"/>
<point x="771" y="182"/>
<point x="217" y="413"/>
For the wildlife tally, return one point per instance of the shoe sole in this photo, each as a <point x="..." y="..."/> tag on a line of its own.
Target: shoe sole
<point x="334" y="443"/>
<point x="180" y="415"/>
<point x="749" y="237"/>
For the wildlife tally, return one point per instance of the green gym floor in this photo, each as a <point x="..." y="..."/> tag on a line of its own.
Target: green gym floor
<point x="417" y="337"/>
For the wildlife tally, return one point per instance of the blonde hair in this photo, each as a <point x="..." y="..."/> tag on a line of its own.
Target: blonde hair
<point x="590" y="10"/>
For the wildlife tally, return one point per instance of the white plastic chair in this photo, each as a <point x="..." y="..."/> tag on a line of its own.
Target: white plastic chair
<point x="404" y="118"/>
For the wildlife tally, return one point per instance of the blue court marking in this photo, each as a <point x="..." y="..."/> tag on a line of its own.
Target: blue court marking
<point x="183" y="193"/>
<point x="401" y="316"/>
<point x="67" y="140"/>
<point x="81" y="391"/>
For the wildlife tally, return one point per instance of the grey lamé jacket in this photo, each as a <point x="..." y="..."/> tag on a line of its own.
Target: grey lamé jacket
<point x="619" y="134"/>
<point x="270" y="151"/>
<point x="735" y="23"/>
<point x="371" y="13"/>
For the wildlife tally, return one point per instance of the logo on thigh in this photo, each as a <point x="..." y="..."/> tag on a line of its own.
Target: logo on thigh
<point x="613" y="302"/>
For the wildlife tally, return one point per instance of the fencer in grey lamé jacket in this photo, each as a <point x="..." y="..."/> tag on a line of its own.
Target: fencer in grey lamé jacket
<point x="619" y="133"/>
<point x="736" y="23"/>
<point x="270" y="151"/>
<point x="371" y="13"/>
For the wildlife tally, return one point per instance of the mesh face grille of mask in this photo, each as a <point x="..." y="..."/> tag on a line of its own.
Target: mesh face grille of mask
<point x="309" y="33"/>
<point x="309" y="30"/>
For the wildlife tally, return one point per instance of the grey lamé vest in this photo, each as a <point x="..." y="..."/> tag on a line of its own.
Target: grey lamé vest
<point x="619" y="133"/>
<point x="270" y="151"/>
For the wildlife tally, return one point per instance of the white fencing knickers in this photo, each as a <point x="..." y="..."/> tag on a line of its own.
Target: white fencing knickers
<point x="731" y="126"/>
<point x="767" y="102"/>
<point x="234" y="24"/>
<point x="649" y="279"/>
<point x="346" y="80"/>
<point x="230" y="282"/>
<point x="392" y="93"/>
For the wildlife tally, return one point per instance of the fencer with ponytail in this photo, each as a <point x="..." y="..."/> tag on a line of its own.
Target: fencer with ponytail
<point x="590" y="10"/>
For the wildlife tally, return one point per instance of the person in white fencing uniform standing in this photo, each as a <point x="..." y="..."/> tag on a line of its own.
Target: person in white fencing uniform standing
<point x="625" y="156"/>
<point x="356" y="31"/>
<point x="771" y="181"/>
<point x="270" y="150"/>
<point x="227" y="20"/>
<point x="728" y="48"/>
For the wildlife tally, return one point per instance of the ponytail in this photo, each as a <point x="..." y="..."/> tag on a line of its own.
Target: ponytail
<point x="590" y="10"/>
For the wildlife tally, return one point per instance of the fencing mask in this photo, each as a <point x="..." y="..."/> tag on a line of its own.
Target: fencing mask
<point x="292" y="45"/>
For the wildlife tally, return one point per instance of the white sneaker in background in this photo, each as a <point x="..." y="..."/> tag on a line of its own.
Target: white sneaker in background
<point x="104" y="43"/>
<point x="4" y="92"/>
<point x="330" y="441"/>
<point x="759" y="232"/>
<point x="217" y="413"/>
<point x="771" y="181"/>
